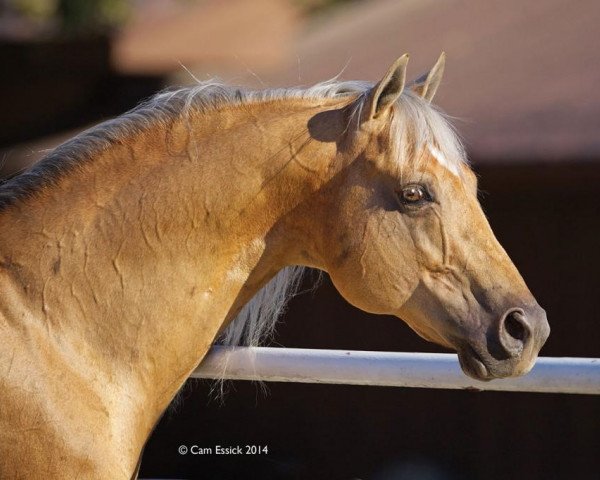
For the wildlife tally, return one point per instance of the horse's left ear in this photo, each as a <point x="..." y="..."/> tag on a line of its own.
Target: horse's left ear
<point x="383" y="95"/>
<point x="426" y="85"/>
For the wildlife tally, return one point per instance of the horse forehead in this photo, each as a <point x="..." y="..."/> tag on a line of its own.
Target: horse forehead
<point x="458" y="174"/>
<point x="442" y="160"/>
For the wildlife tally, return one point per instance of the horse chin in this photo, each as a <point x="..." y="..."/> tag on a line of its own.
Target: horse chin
<point x="473" y="365"/>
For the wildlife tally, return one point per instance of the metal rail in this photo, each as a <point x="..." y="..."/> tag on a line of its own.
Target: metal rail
<point x="420" y="370"/>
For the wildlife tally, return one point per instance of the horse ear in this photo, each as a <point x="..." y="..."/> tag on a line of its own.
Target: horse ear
<point x="426" y="85"/>
<point x="387" y="91"/>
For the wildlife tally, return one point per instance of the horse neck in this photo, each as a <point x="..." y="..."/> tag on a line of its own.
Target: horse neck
<point x="134" y="260"/>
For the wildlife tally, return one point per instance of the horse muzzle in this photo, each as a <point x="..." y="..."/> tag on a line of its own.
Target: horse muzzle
<point x="510" y="348"/>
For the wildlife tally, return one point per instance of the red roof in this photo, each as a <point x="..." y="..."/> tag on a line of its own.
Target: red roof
<point x="232" y="35"/>
<point x="522" y="77"/>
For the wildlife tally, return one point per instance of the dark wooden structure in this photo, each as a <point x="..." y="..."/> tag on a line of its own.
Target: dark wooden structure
<point x="516" y="79"/>
<point x="548" y="218"/>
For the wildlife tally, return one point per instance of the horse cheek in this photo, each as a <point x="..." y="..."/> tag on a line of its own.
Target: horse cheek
<point x="380" y="273"/>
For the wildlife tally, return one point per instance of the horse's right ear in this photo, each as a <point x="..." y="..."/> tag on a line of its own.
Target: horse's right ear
<point x="383" y="95"/>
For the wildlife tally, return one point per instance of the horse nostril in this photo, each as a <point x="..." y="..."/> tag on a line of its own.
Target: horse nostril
<point x="514" y="332"/>
<point x="514" y="326"/>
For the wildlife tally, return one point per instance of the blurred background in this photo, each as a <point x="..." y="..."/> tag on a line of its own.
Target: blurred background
<point x="522" y="82"/>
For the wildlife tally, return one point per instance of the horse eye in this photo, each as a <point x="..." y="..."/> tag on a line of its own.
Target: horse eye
<point x="413" y="194"/>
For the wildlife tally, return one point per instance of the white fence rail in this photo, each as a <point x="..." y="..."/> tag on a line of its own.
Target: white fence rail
<point x="421" y="370"/>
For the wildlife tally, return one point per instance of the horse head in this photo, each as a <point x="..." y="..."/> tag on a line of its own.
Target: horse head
<point x="407" y="236"/>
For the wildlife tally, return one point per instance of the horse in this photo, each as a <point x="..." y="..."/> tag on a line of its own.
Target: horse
<point x="130" y="249"/>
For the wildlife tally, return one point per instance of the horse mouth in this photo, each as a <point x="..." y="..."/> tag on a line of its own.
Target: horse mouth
<point x="472" y="364"/>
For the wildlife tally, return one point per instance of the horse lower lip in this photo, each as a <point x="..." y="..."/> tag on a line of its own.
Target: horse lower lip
<point x="473" y="366"/>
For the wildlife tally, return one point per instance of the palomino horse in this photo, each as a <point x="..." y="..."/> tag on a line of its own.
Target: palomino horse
<point x="127" y="250"/>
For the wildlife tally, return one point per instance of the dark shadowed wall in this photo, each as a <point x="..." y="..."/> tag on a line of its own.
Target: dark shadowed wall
<point x="548" y="218"/>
